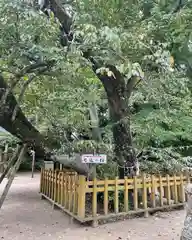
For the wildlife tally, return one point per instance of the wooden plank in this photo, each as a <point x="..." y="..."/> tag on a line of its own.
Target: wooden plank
<point x="49" y="183"/>
<point x="81" y="197"/>
<point x="59" y="188"/>
<point x="126" y="200"/>
<point x="10" y="163"/>
<point x="144" y="192"/>
<point x="69" y="193"/>
<point x="52" y="184"/>
<point x="94" y="198"/>
<point x="161" y="191"/>
<point x="45" y="187"/>
<point x="62" y="189"/>
<point x="12" y="176"/>
<point x="106" y="197"/>
<point x="175" y="190"/>
<point x="55" y="187"/>
<point x="75" y="195"/>
<point x="116" y="200"/>
<point x="182" y="193"/>
<point x="168" y="190"/>
<point x="135" y="194"/>
<point x="65" y="191"/>
<point x="153" y="191"/>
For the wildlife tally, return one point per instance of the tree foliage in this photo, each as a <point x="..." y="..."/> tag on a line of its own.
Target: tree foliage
<point x="149" y="45"/>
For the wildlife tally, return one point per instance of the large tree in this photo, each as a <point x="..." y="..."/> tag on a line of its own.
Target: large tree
<point x="111" y="38"/>
<point x="118" y="87"/>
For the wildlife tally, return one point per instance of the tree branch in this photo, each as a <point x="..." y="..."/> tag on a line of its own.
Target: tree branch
<point x="17" y="77"/>
<point x="178" y="6"/>
<point x="66" y="22"/>
<point x="130" y="86"/>
<point x="61" y="15"/>
<point x="25" y="85"/>
<point x="27" y="133"/>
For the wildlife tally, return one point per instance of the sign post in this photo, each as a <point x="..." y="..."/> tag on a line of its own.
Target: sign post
<point x="33" y="163"/>
<point x="94" y="159"/>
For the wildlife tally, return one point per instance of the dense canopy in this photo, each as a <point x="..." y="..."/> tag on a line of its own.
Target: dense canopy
<point x="99" y="76"/>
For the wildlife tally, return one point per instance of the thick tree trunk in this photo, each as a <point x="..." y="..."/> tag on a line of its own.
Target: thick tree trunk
<point x="124" y="150"/>
<point x="27" y="133"/>
<point x="20" y="127"/>
<point x="118" y="100"/>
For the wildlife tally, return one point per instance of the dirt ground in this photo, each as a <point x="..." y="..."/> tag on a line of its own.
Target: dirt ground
<point x="25" y="217"/>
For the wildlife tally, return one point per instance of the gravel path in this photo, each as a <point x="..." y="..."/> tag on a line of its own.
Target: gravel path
<point x="25" y="217"/>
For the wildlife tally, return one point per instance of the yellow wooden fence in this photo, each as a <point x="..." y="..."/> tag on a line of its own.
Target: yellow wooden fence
<point x="79" y="198"/>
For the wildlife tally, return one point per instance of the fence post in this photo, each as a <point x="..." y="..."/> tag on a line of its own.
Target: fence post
<point x="153" y="193"/>
<point x="55" y="188"/>
<point x="45" y="182"/>
<point x="126" y="200"/>
<point x="59" y="187"/>
<point x="146" y="214"/>
<point x="106" y="199"/>
<point x="161" y="190"/>
<point x="116" y="202"/>
<point x="75" y="195"/>
<point x="49" y="183"/>
<point x="94" y="198"/>
<point x="175" y="189"/>
<point x="62" y="189"/>
<point x="182" y="193"/>
<point x="168" y="190"/>
<point x="135" y="193"/>
<point x="41" y="181"/>
<point x="81" y="197"/>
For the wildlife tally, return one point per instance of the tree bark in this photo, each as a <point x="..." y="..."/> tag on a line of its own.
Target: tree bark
<point x="118" y="100"/>
<point x="20" y="127"/>
<point x="117" y="94"/>
<point x="186" y="233"/>
<point x="27" y="133"/>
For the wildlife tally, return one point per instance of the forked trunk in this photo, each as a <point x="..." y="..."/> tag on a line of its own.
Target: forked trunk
<point x="118" y="100"/>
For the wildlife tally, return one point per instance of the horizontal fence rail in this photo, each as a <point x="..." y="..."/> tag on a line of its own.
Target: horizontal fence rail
<point x="102" y="199"/>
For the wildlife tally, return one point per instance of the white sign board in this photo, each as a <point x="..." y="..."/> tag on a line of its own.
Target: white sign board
<point x="91" y="158"/>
